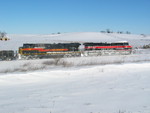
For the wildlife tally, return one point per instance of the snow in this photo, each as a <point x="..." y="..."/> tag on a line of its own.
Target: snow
<point x="96" y="89"/>
<point x="99" y="84"/>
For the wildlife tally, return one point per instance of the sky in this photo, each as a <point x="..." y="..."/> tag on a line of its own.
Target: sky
<point x="53" y="16"/>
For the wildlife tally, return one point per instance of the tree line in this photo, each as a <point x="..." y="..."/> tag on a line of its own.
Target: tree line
<point x="119" y="32"/>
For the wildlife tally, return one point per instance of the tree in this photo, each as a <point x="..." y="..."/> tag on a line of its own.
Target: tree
<point x="103" y="31"/>
<point x="108" y="31"/>
<point x="127" y="32"/>
<point x="2" y="34"/>
<point x="120" y="32"/>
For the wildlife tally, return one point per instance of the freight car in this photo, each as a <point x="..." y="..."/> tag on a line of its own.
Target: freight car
<point x="7" y="55"/>
<point x="116" y="48"/>
<point x="40" y="50"/>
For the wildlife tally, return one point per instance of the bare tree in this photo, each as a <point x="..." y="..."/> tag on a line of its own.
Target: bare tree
<point x="108" y="31"/>
<point x="127" y="32"/>
<point x="2" y="34"/>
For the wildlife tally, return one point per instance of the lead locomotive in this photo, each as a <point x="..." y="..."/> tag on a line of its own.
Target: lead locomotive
<point x="49" y="50"/>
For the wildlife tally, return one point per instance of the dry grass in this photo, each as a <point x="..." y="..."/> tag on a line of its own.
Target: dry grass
<point x="60" y="62"/>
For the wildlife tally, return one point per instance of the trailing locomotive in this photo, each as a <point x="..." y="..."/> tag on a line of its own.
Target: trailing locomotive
<point x="29" y="51"/>
<point x="116" y="48"/>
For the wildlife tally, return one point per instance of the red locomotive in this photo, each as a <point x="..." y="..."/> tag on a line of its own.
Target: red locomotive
<point x="116" y="48"/>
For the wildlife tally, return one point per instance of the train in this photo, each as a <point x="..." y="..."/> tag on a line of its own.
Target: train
<point x="63" y="50"/>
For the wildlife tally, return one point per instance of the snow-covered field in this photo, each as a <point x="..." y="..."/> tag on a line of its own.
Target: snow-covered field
<point x="103" y="84"/>
<point x="90" y="89"/>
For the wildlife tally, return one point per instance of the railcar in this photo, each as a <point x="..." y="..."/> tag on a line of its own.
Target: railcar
<point x="40" y="50"/>
<point x="7" y="55"/>
<point x="116" y="48"/>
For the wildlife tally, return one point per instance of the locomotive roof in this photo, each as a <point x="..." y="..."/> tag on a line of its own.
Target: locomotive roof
<point x="108" y="42"/>
<point x="49" y="43"/>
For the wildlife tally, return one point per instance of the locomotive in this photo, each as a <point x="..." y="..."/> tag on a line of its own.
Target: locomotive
<point x="29" y="51"/>
<point x="99" y="49"/>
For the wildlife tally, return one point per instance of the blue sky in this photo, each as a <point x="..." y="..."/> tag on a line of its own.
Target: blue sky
<point x="52" y="16"/>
